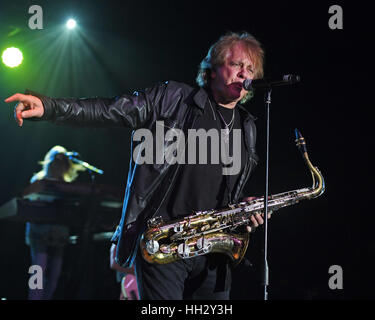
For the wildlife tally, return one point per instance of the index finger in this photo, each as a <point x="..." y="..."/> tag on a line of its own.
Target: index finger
<point x="249" y="198"/>
<point x="15" y="97"/>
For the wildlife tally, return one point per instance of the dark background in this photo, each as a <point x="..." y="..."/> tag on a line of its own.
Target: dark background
<point x="121" y="47"/>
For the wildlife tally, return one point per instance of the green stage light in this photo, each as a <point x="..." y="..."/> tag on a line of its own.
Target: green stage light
<point x="12" y="57"/>
<point x="71" y="23"/>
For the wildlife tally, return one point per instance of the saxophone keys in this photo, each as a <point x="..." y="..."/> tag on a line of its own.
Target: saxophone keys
<point x="152" y="246"/>
<point x="191" y="232"/>
<point x="216" y="225"/>
<point x="183" y="250"/>
<point x="178" y="228"/>
<point x="155" y="222"/>
<point x="165" y="249"/>
<point x="204" y="244"/>
<point x="204" y="227"/>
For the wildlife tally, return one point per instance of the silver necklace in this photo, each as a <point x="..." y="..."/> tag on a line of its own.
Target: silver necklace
<point x="228" y="126"/>
<point x="213" y="112"/>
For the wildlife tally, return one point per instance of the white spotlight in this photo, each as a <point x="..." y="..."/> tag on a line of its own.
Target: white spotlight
<point x="71" y="23"/>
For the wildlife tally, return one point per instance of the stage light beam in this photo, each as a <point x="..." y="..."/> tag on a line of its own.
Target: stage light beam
<point x="12" y="57"/>
<point x="71" y="24"/>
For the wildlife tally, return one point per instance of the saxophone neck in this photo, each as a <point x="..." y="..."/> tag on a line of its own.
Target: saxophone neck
<point x="318" y="180"/>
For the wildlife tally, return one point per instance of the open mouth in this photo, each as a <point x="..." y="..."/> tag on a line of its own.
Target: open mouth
<point x="237" y="85"/>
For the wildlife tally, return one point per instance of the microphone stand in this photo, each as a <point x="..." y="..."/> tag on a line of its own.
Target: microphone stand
<point x="267" y="85"/>
<point x="85" y="262"/>
<point x="265" y="265"/>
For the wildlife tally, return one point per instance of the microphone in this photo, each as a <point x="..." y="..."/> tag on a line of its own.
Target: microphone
<point x="288" y="79"/>
<point x="72" y="154"/>
<point x="86" y="165"/>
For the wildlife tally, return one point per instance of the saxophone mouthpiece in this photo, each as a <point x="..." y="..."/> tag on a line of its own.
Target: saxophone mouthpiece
<point x="300" y="142"/>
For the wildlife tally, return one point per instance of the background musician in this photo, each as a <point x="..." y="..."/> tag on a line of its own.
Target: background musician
<point x="47" y="241"/>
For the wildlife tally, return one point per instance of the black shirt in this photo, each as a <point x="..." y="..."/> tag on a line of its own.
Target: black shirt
<point x="203" y="186"/>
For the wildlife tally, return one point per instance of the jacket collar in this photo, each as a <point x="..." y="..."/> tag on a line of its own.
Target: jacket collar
<point x="243" y="110"/>
<point x="200" y="98"/>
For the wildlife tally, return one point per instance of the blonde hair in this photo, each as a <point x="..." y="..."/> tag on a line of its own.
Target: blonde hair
<point x="57" y="165"/>
<point x="217" y="54"/>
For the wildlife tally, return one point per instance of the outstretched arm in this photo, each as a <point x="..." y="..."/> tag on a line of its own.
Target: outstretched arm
<point x="127" y="110"/>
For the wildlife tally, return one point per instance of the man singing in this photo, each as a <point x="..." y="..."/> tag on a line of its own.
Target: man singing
<point x="175" y="190"/>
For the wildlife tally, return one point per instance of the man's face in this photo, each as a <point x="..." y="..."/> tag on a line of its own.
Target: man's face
<point x="226" y="80"/>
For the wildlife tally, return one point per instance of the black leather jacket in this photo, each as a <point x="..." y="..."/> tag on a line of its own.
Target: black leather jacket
<point x="179" y="106"/>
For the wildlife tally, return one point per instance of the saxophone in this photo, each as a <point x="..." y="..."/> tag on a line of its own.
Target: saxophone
<point x="217" y="230"/>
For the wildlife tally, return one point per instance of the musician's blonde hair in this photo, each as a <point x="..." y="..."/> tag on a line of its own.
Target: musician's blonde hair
<point x="57" y="165"/>
<point x="218" y="51"/>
